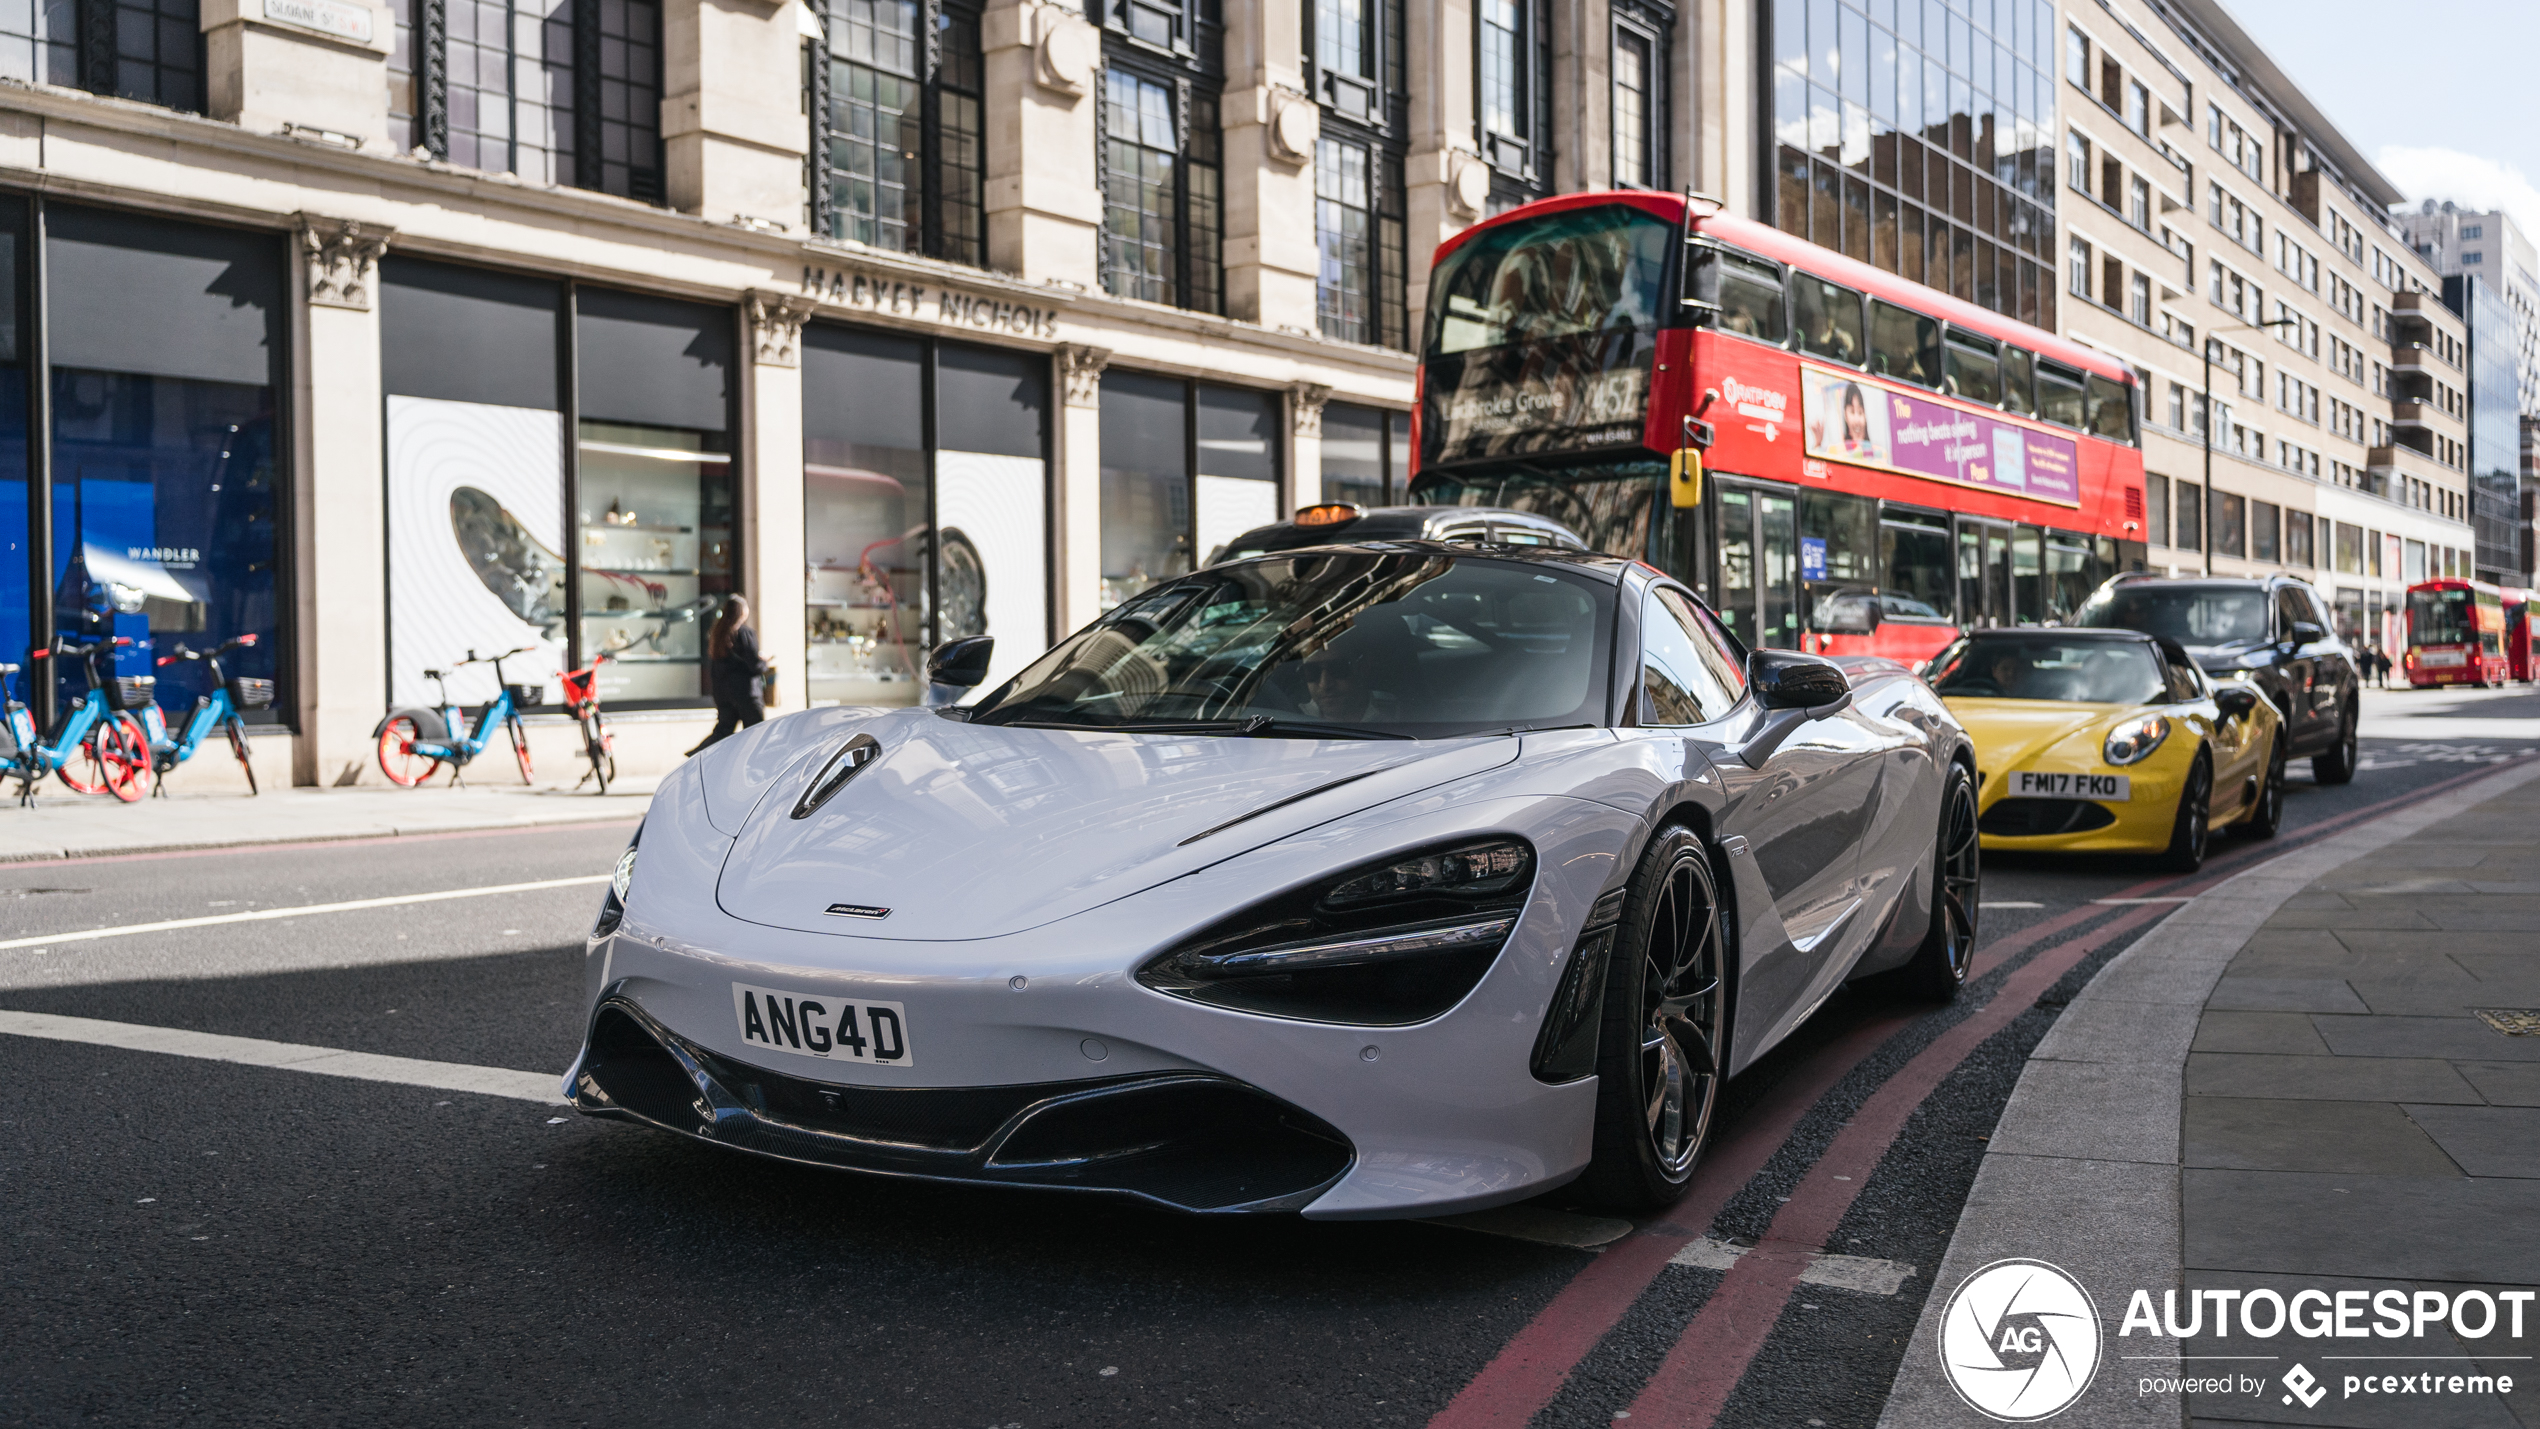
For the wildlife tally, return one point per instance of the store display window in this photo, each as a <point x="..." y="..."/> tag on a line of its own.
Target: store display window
<point x="1186" y="467"/>
<point x="1363" y="454"/>
<point x="925" y="508"/>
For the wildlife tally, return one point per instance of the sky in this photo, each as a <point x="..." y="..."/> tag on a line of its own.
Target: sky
<point x="2437" y="93"/>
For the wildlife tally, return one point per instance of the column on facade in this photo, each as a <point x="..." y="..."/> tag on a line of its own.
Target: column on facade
<point x="1446" y="184"/>
<point x="772" y="503"/>
<point x="1271" y="126"/>
<point x="1715" y="105"/>
<point x="1079" y="446"/>
<point x="1582" y="95"/>
<point x="1305" y="443"/>
<point x="1044" y="65"/>
<point x="733" y="130"/>
<point x="341" y="588"/>
<point x="323" y="74"/>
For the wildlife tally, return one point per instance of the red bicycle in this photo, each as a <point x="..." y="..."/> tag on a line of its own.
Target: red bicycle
<point x="582" y="695"/>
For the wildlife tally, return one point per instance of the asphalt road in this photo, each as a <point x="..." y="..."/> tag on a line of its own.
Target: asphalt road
<point x="199" y="1242"/>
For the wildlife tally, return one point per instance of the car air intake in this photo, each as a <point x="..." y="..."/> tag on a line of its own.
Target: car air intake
<point x="2037" y="818"/>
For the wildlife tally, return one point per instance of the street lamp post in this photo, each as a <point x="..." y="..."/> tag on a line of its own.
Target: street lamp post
<point x="2205" y="518"/>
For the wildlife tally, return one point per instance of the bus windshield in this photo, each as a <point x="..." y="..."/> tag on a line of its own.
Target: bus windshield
<point x="1590" y="270"/>
<point x="2440" y="617"/>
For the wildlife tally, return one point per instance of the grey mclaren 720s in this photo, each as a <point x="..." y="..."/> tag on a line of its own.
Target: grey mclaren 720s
<point x="1366" y="880"/>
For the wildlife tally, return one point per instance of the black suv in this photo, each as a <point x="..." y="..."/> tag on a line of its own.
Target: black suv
<point x="2273" y="632"/>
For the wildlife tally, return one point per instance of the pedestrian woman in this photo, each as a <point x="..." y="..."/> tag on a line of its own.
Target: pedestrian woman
<point x="732" y="672"/>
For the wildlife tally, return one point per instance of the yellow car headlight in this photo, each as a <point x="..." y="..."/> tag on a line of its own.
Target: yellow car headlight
<point x="2134" y="741"/>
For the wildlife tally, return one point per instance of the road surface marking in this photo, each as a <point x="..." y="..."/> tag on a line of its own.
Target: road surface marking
<point x="1843" y="1272"/>
<point x="262" y="915"/>
<point x="543" y="1087"/>
<point x="2136" y="902"/>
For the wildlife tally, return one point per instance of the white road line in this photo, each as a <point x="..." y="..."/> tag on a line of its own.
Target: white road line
<point x="1843" y="1272"/>
<point x="542" y="1087"/>
<point x="261" y="915"/>
<point x="2009" y="905"/>
<point x="2131" y="902"/>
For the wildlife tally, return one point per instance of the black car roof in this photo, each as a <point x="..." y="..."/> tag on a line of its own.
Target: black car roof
<point x="1594" y="563"/>
<point x="2059" y="632"/>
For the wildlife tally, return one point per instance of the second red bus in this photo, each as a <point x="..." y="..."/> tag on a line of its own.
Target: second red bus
<point x="2463" y="632"/>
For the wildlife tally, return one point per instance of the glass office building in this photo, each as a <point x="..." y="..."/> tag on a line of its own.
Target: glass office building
<point x="1915" y="135"/>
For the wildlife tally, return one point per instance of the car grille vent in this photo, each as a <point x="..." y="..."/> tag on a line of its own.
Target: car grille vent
<point x="2037" y="818"/>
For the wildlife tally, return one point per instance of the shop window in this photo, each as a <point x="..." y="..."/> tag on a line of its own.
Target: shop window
<point x="898" y="156"/>
<point x="563" y="92"/>
<point x="1363" y="454"/>
<point x="149" y="50"/>
<point x="911" y="541"/>
<point x="2231" y="525"/>
<point x="2156" y="509"/>
<point x="17" y="608"/>
<point x="166" y="490"/>
<point x="1186" y="467"/>
<point x="2298" y="539"/>
<point x="2265" y="524"/>
<point x="1163" y="210"/>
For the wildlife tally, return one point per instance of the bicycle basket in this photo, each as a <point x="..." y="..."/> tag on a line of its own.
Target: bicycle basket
<point x="250" y="694"/>
<point x="132" y="692"/>
<point x="523" y="696"/>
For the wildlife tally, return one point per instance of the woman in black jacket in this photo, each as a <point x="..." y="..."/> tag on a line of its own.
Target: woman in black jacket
<point x="732" y="672"/>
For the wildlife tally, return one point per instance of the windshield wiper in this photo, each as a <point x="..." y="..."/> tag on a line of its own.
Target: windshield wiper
<point x="1254" y="727"/>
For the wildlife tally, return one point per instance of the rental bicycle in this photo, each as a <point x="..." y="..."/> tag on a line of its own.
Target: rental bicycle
<point x="414" y="742"/>
<point x="96" y="747"/>
<point x="582" y="695"/>
<point x="217" y="710"/>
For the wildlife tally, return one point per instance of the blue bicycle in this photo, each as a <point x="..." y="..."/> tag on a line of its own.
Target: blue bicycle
<point x="414" y="742"/>
<point x="217" y="710"/>
<point x="97" y="747"/>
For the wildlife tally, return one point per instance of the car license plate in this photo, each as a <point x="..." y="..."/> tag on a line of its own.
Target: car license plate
<point x="2105" y="788"/>
<point x="832" y="1028"/>
<point x="2442" y="659"/>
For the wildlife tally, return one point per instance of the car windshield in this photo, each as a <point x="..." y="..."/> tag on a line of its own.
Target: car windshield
<point x="2190" y="615"/>
<point x="2440" y="617"/>
<point x="2042" y="667"/>
<point x="1423" y="645"/>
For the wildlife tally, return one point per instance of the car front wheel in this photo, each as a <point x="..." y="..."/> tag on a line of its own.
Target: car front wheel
<point x="1662" y="1050"/>
<point x="2193" y="830"/>
<point x="1939" y="967"/>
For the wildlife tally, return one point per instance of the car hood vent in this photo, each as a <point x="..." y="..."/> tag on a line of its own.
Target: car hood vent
<point x="842" y="766"/>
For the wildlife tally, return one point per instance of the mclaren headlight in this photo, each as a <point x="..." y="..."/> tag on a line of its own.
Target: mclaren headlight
<point x="1388" y="943"/>
<point x="2134" y="741"/>
<point x="621" y="882"/>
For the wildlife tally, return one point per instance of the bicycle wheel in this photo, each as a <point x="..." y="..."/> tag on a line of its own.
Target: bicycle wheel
<point x="520" y="748"/>
<point x="238" y="746"/>
<point x="397" y="757"/>
<point x="124" y="751"/>
<point x="595" y="745"/>
<point x="81" y="769"/>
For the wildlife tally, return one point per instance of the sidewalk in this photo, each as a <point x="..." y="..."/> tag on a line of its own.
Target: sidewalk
<point x="66" y="825"/>
<point x="2287" y="1084"/>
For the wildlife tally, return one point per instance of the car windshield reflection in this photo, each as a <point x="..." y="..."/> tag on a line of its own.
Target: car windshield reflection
<point x="2188" y="615"/>
<point x="1394" y="644"/>
<point x="2042" y="667"/>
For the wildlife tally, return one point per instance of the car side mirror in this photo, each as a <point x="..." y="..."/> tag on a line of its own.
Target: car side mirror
<point x="962" y="663"/>
<point x="2306" y="632"/>
<point x="2235" y="701"/>
<point x="1788" y="680"/>
<point x="1848" y="612"/>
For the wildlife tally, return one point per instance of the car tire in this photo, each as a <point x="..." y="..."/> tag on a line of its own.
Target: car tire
<point x="2269" y="815"/>
<point x="2192" y="832"/>
<point x="2336" y="764"/>
<point x="1939" y="967"/>
<point x="1663" y="1044"/>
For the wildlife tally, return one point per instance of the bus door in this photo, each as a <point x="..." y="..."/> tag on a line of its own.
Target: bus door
<point x="1758" y="589"/>
<point x="1984" y="574"/>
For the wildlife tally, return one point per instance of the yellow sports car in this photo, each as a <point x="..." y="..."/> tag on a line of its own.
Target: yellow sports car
<point x="2108" y="741"/>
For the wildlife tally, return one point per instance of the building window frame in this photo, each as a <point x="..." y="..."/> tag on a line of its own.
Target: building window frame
<point x="1362" y="280"/>
<point x="1190" y="272"/>
<point x="1512" y="97"/>
<point x="1641" y="160"/>
<point x="602" y="72"/>
<point x="946" y="68"/>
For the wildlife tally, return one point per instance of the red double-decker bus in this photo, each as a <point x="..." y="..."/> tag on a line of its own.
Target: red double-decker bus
<point x="2456" y="635"/>
<point x="1881" y="464"/>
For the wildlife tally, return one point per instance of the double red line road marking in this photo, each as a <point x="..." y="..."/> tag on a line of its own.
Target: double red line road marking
<point x="1694" y="1381"/>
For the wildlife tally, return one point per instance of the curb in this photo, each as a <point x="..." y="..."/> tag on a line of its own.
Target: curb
<point x="299" y="836"/>
<point x="2083" y="1168"/>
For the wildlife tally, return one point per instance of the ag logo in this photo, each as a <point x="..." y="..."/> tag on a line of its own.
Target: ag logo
<point x="2020" y="1341"/>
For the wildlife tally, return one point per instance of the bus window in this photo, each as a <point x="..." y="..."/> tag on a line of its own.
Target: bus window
<point x="1747" y="292"/>
<point x="2016" y="381"/>
<point x="2111" y="410"/>
<point x="1829" y="318"/>
<point x="1916" y="581"/>
<point x="2069" y="575"/>
<point x="2059" y="393"/>
<point x="1974" y="368"/>
<point x="1904" y="344"/>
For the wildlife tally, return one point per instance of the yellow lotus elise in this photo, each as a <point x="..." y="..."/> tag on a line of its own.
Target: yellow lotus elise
<point x="2109" y="741"/>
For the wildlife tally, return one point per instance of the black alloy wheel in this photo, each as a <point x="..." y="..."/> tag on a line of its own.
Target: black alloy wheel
<point x="2336" y="764"/>
<point x="1662" y="1048"/>
<point x="2269" y="815"/>
<point x="2193" y="831"/>
<point x="1939" y="966"/>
